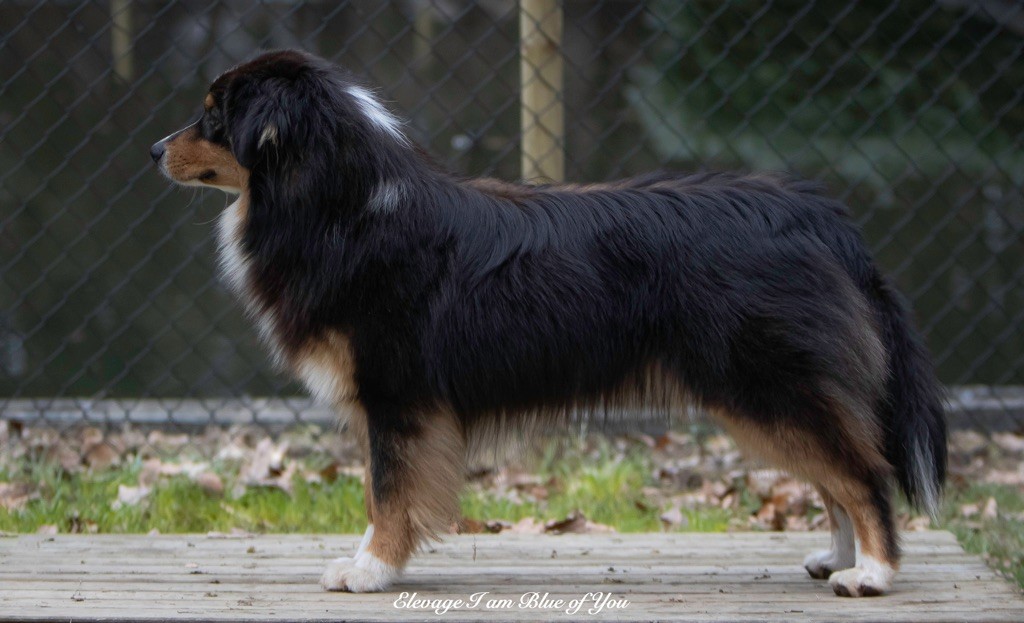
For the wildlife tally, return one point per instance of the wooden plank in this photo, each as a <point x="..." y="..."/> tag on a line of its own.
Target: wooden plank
<point x="678" y="576"/>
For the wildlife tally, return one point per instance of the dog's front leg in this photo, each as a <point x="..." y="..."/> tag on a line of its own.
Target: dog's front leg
<point x="416" y="468"/>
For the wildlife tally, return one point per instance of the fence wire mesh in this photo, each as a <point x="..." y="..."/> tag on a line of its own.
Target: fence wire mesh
<point x="110" y="308"/>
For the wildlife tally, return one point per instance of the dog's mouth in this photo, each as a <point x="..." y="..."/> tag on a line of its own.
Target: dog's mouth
<point x="206" y="175"/>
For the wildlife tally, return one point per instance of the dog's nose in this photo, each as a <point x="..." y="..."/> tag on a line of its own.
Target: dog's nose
<point x="157" y="151"/>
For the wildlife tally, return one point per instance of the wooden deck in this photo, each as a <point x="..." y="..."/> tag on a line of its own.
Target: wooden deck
<point x="691" y="577"/>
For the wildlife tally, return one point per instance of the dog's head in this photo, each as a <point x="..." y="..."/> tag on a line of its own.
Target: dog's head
<point x="285" y="114"/>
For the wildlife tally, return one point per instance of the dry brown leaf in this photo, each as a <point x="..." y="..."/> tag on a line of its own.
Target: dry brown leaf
<point x="1005" y="477"/>
<point x="130" y="496"/>
<point x="526" y="525"/>
<point x="1009" y="442"/>
<point x="797" y="523"/>
<point x="100" y="456"/>
<point x="14" y="496"/>
<point x="69" y="459"/>
<point x="166" y="443"/>
<point x="210" y="482"/>
<point x="991" y="510"/>
<point x="968" y="510"/>
<point x="761" y="481"/>
<point x="576" y="523"/>
<point x="267" y="466"/>
<point x="790" y="497"/>
<point x="967" y="442"/>
<point x="469" y="525"/>
<point x="674" y="517"/>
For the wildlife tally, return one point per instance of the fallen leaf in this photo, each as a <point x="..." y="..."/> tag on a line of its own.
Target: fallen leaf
<point x="526" y="525"/>
<point x="991" y="510"/>
<point x="674" y="517"/>
<point x="576" y="523"/>
<point x="1005" y="477"/>
<point x="101" y="456"/>
<point x="1009" y="442"/>
<point x="16" y="495"/>
<point x="210" y="483"/>
<point x="129" y="496"/>
<point x="165" y="443"/>
<point x="471" y="526"/>
<point x="761" y="481"/>
<point x="268" y="467"/>
<point x="967" y="442"/>
<point x="968" y="510"/>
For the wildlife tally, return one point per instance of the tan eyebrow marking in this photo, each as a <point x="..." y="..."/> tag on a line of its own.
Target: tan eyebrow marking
<point x="208" y="102"/>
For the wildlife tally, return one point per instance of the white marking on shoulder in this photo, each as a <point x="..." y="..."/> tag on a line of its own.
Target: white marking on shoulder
<point x="377" y="113"/>
<point x="386" y="196"/>
<point x="363" y="574"/>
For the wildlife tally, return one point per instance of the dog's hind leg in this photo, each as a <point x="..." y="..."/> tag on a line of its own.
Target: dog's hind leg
<point x="842" y="555"/>
<point x="854" y="480"/>
<point x="867" y="501"/>
<point x="416" y="472"/>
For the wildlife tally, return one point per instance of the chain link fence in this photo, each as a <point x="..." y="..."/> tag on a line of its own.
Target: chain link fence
<point x="110" y="308"/>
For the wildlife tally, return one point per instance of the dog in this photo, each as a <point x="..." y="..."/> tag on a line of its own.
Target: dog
<point x="456" y="314"/>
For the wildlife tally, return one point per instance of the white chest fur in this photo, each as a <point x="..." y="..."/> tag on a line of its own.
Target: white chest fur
<point x="235" y="266"/>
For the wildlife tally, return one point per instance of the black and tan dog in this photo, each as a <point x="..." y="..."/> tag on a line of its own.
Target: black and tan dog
<point x="454" y="313"/>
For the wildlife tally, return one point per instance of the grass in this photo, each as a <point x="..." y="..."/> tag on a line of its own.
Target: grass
<point x="999" y="540"/>
<point x="606" y="485"/>
<point x="83" y="502"/>
<point x="606" y="488"/>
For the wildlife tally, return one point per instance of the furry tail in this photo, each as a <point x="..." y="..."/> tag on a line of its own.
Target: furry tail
<point x="913" y="413"/>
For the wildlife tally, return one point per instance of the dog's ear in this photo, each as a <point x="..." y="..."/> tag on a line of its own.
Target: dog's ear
<point x="261" y="120"/>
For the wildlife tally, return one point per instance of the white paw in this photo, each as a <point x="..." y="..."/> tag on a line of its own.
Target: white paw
<point x="363" y="574"/>
<point x="867" y="579"/>
<point x="821" y="565"/>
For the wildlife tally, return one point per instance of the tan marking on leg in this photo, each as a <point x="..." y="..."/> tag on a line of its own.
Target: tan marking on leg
<point x="426" y="503"/>
<point x="356" y="426"/>
<point x="801" y="453"/>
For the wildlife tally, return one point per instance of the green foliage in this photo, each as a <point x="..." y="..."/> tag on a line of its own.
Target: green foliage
<point x="873" y="88"/>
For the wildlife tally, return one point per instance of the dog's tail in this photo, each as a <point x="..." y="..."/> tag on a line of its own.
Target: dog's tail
<point x="913" y="412"/>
